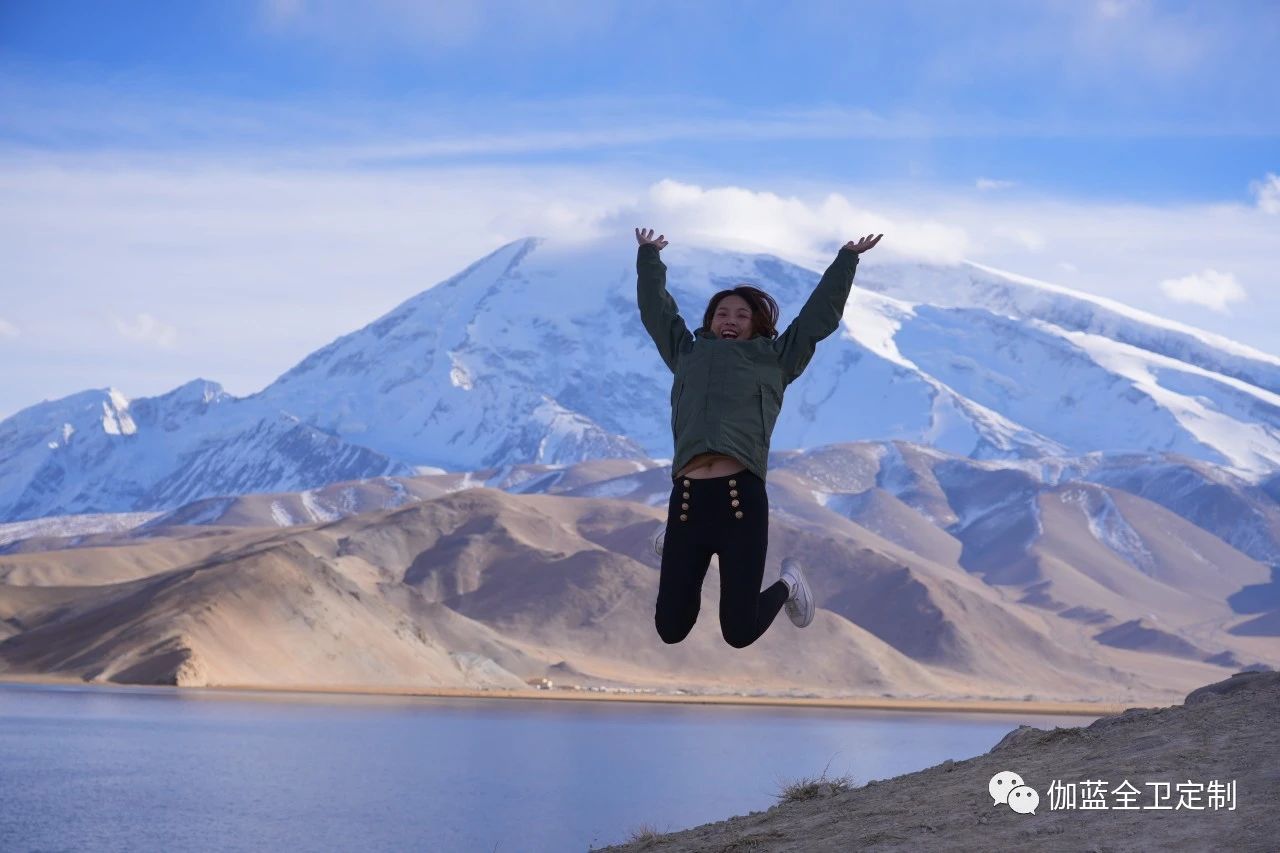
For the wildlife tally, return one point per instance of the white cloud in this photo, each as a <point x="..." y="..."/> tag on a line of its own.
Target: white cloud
<point x="1018" y="235"/>
<point x="7" y="329"/>
<point x="804" y="230"/>
<point x="323" y="251"/>
<point x="1209" y="288"/>
<point x="1267" y="192"/>
<point x="993" y="184"/>
<point x="146" y="329"/>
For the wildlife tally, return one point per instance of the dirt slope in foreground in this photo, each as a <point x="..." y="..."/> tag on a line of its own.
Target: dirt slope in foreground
<point x="1225" y="731"/>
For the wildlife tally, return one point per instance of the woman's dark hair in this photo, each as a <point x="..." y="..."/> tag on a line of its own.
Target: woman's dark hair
<point x="764" y="311"/>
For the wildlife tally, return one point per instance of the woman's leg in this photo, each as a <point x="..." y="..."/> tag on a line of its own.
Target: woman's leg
<point x="745" y="611"/>
<point x="686" y="555"/>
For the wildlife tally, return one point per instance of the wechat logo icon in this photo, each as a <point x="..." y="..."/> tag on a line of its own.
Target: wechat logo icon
<point x="1008" y="788"/>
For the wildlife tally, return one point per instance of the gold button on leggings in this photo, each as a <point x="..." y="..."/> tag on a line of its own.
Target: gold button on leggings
<point x="728" y="516"/>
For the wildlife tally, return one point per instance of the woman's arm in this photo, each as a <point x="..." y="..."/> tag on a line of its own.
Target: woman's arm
<point x="821" y="314"/>
<point x="658" y="310"/>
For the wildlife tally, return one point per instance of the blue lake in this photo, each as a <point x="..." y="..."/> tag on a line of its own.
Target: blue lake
<point x="131" y="768"/>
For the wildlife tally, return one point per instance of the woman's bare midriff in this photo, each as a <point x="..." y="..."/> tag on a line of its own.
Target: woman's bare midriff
<point x="704" y="466"/>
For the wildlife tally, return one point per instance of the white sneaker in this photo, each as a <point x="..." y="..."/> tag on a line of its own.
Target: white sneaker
<point x="799" y="606"/>
<point x="658" y="541"/>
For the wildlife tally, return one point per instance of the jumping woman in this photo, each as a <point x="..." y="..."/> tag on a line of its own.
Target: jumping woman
<point x="730" y="376"/>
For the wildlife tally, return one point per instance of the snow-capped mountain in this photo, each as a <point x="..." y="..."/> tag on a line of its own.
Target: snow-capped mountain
<point x="1090" y="372"/>
<point x="535" y="354"/>
<point x="98" y="451"/>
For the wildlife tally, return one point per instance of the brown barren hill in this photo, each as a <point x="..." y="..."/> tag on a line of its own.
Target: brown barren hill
<point x="1222" y="733"/>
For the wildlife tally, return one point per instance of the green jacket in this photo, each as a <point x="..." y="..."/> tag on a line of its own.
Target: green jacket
<point x="726" y="395"/>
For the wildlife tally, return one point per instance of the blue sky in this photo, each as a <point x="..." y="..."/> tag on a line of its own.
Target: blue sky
<point x="170" y="168"/>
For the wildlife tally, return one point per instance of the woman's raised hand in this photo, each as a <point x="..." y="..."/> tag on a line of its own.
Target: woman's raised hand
<point x="864" y="244"/>
<point x="643" y="237"/>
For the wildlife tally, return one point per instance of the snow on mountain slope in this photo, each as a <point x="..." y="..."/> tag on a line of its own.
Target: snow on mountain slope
<point x="1174" y="365"/>
<point x="84" y="452"/>
<point x="1220" y="413"/>
<point x="98" y="451"/>
<point x="534" y="354"/>
<point x="498" y="364"/>
<point x="973" y="285"/>
<point x="70" y="528"/>
<point x="1055" y="383"/>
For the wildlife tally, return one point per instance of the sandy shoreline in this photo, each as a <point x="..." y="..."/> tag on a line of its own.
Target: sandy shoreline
<point x="976" y="706"/>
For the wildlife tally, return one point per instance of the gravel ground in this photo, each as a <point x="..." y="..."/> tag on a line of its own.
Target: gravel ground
<point x="1222" y="732"/>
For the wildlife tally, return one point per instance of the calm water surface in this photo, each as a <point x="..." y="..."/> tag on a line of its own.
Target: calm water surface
<point x="132" y="768"/>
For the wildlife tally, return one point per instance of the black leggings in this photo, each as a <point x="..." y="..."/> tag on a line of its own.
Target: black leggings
<point x="701" y="521"/>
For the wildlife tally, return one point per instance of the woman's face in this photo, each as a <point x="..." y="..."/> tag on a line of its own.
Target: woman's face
<point x="732" y="319"/>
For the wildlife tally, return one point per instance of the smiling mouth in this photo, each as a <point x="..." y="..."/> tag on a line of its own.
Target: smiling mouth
<point x="728" y="333"/>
